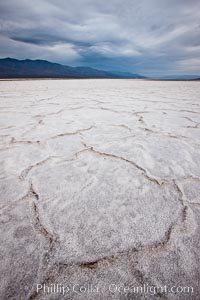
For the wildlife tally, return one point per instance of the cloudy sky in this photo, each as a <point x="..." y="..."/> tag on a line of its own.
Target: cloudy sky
<point x="149" y="37"/>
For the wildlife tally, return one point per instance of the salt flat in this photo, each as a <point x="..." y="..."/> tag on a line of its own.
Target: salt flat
<point x="99" y="185"/>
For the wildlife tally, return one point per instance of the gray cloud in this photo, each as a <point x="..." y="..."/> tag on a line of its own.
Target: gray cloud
<point x="147" y="36"/>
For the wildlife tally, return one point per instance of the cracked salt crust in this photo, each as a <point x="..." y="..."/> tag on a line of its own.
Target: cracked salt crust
<point x="99" y="183"/>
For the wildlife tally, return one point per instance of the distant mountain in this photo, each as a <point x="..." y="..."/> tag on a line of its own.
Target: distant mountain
<point x="128" y="75"/>
<point x="181" y="77"/>
<point x="14" y="68"/>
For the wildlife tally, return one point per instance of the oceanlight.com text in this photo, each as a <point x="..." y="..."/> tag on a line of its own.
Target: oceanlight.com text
<point x="112" y="288"/>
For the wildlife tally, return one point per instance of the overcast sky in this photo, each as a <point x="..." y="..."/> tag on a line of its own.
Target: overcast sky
<point x="149" y="37"/>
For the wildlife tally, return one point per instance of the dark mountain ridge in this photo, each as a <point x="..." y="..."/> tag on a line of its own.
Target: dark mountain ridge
<point x="27" y="68"/>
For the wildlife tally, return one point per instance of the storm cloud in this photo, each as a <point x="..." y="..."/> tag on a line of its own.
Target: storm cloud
<point x="150" y="37"/>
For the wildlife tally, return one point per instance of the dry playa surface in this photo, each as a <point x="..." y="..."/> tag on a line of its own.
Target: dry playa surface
<point x="99" y="186"/>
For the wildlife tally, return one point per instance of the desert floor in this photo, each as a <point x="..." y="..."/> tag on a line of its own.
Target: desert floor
<point x="99" y="187"/>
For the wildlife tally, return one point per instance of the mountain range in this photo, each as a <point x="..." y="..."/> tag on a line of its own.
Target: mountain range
<point x="27" y="68"/>
<point x="181" y="77"/>
<point x="14" y="68"/>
